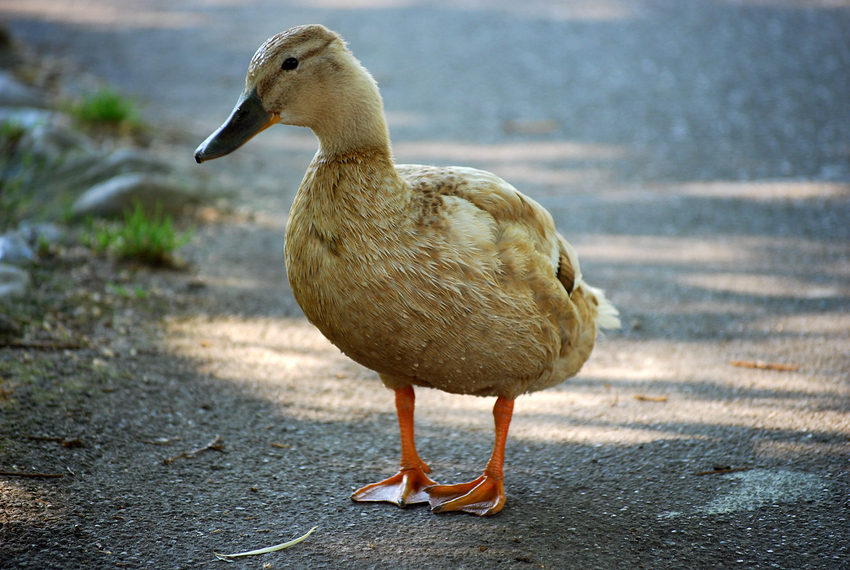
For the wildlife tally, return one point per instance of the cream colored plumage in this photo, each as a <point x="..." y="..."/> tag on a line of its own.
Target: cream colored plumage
<point x="438" y="277"/>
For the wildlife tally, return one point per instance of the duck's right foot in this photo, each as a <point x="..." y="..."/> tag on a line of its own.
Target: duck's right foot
<point x="407" y="487"/>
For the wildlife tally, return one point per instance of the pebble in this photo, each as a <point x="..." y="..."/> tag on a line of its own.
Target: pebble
<point x="15" y="250"/>
<point x="17" y="247"/>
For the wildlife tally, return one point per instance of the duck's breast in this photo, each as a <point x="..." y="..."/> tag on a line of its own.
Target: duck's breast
<point x="442" y="295"/>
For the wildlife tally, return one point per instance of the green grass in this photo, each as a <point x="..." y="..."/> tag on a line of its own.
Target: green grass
<point x="108" y="108"/>
<point x="13" y="201"/>
<point x="16" y="173"/>
<point x="138" y="292"/>
<point x="148" y="238"/>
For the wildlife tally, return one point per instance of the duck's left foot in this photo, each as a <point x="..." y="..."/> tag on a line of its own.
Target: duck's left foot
<point x="407" y="487"/>
<point x="483" y="496"/>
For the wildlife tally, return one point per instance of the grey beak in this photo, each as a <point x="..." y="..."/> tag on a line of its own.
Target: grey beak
<point x="248" y="118"/>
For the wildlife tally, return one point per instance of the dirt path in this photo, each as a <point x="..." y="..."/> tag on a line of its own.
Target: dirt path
<point x="696" y="156"/>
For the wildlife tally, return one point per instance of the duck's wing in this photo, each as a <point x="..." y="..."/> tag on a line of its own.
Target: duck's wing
<point x="515" y="215"/>
<point x="505" y="204"/>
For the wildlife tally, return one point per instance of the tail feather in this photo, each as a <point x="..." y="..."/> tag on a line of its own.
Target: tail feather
<point x="607" y="315"/>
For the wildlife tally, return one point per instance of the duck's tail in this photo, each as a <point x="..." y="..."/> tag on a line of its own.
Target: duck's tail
<point x="607" y="315"/>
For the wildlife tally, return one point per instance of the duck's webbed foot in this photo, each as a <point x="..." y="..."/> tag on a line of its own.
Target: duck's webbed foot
<point x="483" y="496"/>
<point x="407" y="487"/>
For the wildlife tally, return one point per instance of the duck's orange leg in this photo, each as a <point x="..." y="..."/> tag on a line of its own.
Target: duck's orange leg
<point x="406" y="487"/>
<point x="486" y="494"/>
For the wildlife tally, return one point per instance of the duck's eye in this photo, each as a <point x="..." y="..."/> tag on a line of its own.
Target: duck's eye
<point x="289" y="63"/>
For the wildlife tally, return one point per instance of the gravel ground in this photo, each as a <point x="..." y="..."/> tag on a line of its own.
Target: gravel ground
<point x="697" y="154"/>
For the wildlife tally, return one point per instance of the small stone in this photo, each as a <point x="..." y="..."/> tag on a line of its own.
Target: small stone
<point x="13" y="281"/>
<point x="15" y="250"/>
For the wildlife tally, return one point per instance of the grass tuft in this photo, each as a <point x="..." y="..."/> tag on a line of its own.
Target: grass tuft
<point x="150" y="239"/>
<point x="107" y="108"/>
<point x="17" y="170"/>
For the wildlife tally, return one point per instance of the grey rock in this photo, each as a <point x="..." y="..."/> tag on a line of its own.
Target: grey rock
<point x="14" y="249"/>
<point x="13" y="281"/>
<point x="13" y="93"/>
<point x="113" y="197"/>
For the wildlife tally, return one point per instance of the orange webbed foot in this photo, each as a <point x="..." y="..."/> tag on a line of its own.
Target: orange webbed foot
<point x="483" y="496"/>
<point x="407" y="487"/>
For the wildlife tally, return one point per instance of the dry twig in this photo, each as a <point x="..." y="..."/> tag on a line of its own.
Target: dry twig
<point x="32" y="475"/>
<point x="721" y="470"/>
<point x="65" y="442"/>
<point x="217" y="444"/>
<point x="762" y="365"/>
<point x="41" y="344"/>
<point x="643" y="398"/>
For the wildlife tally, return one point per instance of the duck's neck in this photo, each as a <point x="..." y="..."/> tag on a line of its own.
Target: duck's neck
<point x="353" y="179"/>
<point x="357" y="120"/>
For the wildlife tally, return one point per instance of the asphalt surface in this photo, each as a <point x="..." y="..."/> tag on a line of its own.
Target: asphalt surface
<point x="697" y="154"/>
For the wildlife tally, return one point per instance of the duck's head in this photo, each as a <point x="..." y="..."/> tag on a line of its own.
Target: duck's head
<point x="306" y="77"/>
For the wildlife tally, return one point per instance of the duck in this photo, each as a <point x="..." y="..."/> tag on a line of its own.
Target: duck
<point x="434" y="277"/>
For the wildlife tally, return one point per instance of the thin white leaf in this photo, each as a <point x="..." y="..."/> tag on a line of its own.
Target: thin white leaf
<point x="228" y="557"/>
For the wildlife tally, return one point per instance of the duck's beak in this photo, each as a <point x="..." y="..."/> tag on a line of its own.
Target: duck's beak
<point x="248" y="118"/>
